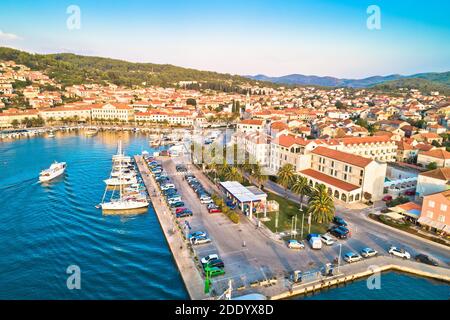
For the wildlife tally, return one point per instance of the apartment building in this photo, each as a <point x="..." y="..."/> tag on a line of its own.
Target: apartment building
<point x="183" y="119"/>
<point x="380" y="148"/>
<point x="7" y="118"/>
<point x="83" y="113"/>
<point x="435" y="213"/>
<point x="289" y="149"/>
<point x="433" y="181"/>
<point x="439" y="156"/>
<point x="257" y="145"/>
<point x="250" y="125"/>
<point x="348" y="177"/>
<point x="111" y="111"/>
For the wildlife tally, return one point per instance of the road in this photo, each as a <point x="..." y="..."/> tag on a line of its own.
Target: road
<point x="366" y="232"/>
<point x="262" y="257"/>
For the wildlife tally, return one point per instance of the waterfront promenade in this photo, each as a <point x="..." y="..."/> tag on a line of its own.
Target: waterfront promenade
<point x="264" y="264"/>
<point x="181" y="253"/>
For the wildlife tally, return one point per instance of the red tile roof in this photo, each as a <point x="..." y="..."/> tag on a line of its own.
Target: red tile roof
<point x="329" y="180"/>
<point x="438" y="153"/>
<point x="252" y="122"/>
<point x="343" y="156"/>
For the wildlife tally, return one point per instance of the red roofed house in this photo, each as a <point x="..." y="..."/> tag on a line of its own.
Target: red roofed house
<point x="111" y="111"/>
<point x="439" y="156"/>
<point x="250" y="125"/>
<point x="348" y="177"/>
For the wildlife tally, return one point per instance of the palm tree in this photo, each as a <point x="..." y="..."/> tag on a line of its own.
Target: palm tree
<point x="300" y="186"/>
<point x="321" y="206"/>
<point x="257" y="175"/>
<point x="224" y="169"/>
<point x="286" y="175"/>
<point x="233" y="175"/>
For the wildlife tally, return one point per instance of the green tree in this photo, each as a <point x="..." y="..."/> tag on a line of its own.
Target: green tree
<point x="300" y="186"/>
<point x="321" y="205"/>
<point x="15" y="123"/>
<point x="233" y="175"/>
<point x="286" y="175"/>
<point x="432" y="166"/>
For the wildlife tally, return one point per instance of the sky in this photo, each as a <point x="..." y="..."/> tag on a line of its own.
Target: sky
<point x="246" y="37"/>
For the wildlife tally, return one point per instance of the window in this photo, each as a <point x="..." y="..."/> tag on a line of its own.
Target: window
<point x="443" y="207"/>
<point x="345" y="176"/>
<point x="431" y="204"/>
<point x="441" y="218"/>
<point x="430" y="214"/>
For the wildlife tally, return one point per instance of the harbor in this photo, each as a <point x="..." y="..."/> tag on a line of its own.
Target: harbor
<point x="181" y="253"/>
<point x="246" y="275"/>
<point x="148" y="243"/>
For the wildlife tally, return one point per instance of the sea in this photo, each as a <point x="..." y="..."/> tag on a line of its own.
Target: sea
<point x="48" y="231"/>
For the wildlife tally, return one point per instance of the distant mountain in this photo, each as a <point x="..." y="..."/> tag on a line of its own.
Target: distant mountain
<point x="299" y="79"/>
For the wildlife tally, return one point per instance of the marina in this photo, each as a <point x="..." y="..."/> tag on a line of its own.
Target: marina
<point x="93" y="161"/>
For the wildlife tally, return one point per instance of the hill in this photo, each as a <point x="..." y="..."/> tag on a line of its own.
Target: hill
<point x="421" y="84"/>
<point x="440" y="79"/>
<point x="70" y="69"/>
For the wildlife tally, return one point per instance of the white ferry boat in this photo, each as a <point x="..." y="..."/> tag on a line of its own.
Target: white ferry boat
<point x="55" y="170"/>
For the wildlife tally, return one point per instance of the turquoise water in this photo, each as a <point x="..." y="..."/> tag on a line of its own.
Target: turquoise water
<point x="45" y="229"/>
<point x="393" y="286"/>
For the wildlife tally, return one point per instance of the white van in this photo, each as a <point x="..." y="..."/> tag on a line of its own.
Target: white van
<point x="314" y="241"/>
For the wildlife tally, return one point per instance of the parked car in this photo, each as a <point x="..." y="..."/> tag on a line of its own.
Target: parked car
<point x="200" y="240"/>
<point x="214" y="210"/>
<point x="339" y="221"/>
<point x="167" y="186"/>
<point x="425" y="259"/>
<point x="295" y="244"/>
<point x="314" y="241"/>
<point x="368" y="252"/>
<point x="410" y="193"/>
<point x="177" y="204"/>
<point x="211" y="206"/>
<point x="387" y="198"/>
<point x="214" y="272"/>
<point x="327" y="239"/>
<point x="185" y="213"/>
<point x="206" y="200"/>
<point x="170" y="192"/>
<point x="215" y="263"/>
<point x="174" y="199"/>
<point x="197" y="234"/>
<point x="401" y="253"/>
<point x="208" y="258"/>
<point x="338" y="232"/>
<point x="352" y="257"/>
<point x="178" y="210"/>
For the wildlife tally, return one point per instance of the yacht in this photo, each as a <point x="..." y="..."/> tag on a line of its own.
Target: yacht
<point x="55" y="170"/>
<point x="91" y="132"/>
<point x="51" y="134"/>
<point x="130" y="198"/>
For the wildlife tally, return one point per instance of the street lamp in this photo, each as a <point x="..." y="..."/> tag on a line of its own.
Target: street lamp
<point x="303" y="222"/>
<point x="339" y="258"/>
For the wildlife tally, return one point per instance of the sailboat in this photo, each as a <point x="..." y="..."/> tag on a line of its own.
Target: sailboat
<point x="127" y="200"/>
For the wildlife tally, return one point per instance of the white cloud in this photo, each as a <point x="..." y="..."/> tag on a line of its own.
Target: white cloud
<point x="8" y="36"/>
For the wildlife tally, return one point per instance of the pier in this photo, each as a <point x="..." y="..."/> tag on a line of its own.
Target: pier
<point x="180" y="251"/>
